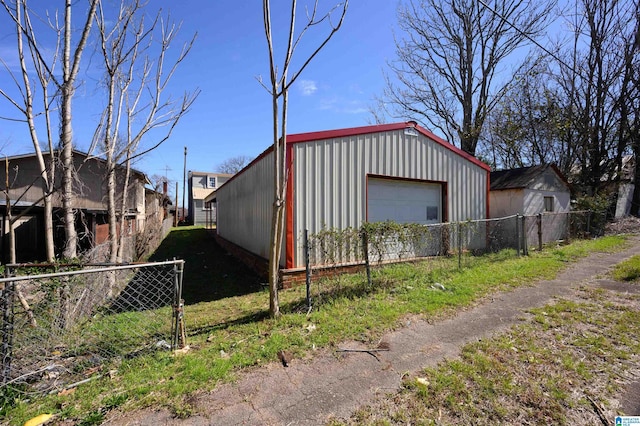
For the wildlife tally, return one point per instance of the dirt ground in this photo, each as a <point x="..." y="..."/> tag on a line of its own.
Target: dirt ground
<point x="334" y="384"/>
<point x="625" y="225"/>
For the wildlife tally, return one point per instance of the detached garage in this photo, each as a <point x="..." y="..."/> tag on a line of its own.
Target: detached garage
<point x="342" y="178"/>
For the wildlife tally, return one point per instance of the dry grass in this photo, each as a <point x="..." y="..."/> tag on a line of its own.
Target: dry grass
<point x="566" y="364"/>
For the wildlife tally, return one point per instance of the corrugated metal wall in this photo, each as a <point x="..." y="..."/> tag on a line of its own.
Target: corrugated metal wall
<point x="245" y="207"/>
<point x="330" y="178"/>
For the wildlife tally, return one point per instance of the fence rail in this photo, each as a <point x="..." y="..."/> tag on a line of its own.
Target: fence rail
<point x="63" y="327"/>
<point x="385" y="242"/>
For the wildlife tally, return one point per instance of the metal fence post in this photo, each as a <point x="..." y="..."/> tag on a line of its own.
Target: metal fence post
<point x="539" y="231"/>
<point x="459" y="245"/>
<point x="588" y="230"/>
<point x="568" y="227"/>
<point x="365" y="253"/>
<point x="518" y="234"/>
<point x="178" y="333"/>
<point x="525" y="244"/>
<point x="307" y="266"/>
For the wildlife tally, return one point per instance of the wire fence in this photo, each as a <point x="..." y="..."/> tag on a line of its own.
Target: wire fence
<point x="65" y="327"/>
<point x="381" y="243"/>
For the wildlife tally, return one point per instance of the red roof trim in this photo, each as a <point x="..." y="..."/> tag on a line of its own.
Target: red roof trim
<point x="352" y="131"/>
<point x="340" y="133"/>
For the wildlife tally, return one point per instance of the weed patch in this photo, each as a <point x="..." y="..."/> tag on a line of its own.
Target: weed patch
<point x="628" y="270"/>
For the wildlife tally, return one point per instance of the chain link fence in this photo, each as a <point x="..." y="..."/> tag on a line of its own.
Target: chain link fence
<point x="386" y="242"/>
<point x="64" y="327"/>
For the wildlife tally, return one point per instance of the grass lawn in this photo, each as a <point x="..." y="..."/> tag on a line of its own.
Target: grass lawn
<point x="210" y="272"/>
<point x="563" y="366"/>
<point x="229" y="329"/>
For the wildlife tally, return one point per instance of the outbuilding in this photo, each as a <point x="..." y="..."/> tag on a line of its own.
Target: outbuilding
<point x="539" y="191"/>
<point x="342" y="178"/>
<point x="529" y="191"/>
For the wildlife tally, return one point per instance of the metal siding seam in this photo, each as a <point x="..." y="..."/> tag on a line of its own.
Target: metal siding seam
<point x="326" y="187"/>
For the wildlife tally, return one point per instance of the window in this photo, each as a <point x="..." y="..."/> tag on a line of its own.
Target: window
<point x="432" y="212"/>
<point x="548" y="204"/>
<point x="212" y="181"/>
<point x="207" y="205"/>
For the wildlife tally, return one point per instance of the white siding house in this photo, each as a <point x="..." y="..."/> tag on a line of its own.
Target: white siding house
<point x="201" y="186"/>
<point x="342" y="178"/>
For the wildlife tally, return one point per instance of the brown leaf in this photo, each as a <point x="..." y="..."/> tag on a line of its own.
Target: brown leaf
<point x="66" y="392"/>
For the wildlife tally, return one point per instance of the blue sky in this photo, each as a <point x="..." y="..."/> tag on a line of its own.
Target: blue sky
<point x="232" y="115"/>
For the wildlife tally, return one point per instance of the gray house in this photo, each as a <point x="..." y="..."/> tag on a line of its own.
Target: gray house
<point x="201" y="186"/>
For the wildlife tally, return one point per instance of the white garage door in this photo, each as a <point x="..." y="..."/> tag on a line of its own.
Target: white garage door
<point x="403" y="201"/>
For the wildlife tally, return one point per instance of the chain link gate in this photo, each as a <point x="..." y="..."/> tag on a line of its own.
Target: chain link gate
<point x="64" y="327"/>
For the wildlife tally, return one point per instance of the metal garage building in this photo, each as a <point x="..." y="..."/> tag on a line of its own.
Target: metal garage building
<point x="341" y="178"/>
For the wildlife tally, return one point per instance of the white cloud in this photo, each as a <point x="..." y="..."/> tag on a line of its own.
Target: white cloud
<point x="343" y="106"/>
<point x="307" y="87"/>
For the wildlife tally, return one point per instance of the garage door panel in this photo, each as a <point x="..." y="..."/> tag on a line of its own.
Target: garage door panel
<point x="403" y="201"/>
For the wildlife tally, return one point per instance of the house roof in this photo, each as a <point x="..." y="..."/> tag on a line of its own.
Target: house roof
<point x="201" y="193"/>
<point x="520" y="177"/>
<point x="77" y="152"/>
<point x="352" y="131"/>
<point x="193" y="172"/>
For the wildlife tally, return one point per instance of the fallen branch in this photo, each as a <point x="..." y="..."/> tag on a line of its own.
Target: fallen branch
<point x="33" y="373"/>
<point x="368" y="351"/>
<point x="363" y="350"/>
<point x="26" y="307"/>
<point x="76" y="384"/>
<point x="603" y="418"/>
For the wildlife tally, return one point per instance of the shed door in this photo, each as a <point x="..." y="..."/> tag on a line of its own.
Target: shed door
<point x="403" y="201"/>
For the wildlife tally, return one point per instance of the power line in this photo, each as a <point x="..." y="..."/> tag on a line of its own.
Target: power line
<point x="528" y="37"/>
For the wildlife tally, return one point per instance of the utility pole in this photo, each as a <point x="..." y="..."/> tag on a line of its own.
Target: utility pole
<point x="166" y="170"/>
<point x="184" y="180"/>
<point x="175" y="217"/>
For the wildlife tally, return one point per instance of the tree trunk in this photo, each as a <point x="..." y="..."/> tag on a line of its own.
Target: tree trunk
<point x="123" y="209"/>
<point x="635" y="202"/>
<point x="111" y="206"/>
<point x="9" y="219"/>
<point x="276" y="231"/>
<point x="48" y="229"/>
<point x="68" y="196"/>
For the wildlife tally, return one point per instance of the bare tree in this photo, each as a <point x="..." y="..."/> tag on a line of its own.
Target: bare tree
<point x="233" y="165"/>
<point x="599" y="89"/>
<point x="630" y="105"/>
<point x="66" y="87"/>
<point x="64" y="91"/>
<point x="136" y="76"/>
<point x="279" y="91"/>
<point x="447" y="64"/>
<point x="26" y="105"/>
<point x="529" y="125"/>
